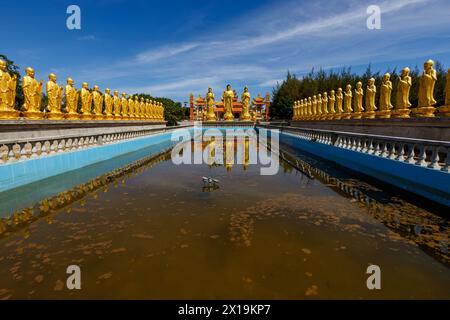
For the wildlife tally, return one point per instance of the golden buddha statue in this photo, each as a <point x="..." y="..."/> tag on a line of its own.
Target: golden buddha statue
<point x="358" y="101"/>
<point x="325" y="112"/>
<point x="445" y="109"/>
<point x="162" y="111"/>
<point x="332" y="102"/>
<point x="124" y="106"/>
<point x="402" y="103"/>
<point x="137" y="108"/>
<point x="142" y="108"/>
<point x="348" y="96"/>
<point x="32" y="91"/>
<point x="371" y="92"/>
<point x="426" y="91"/>
<point x="294" y="111"/>
<point x="108" y="105"/>
<point x="71" y="95"/>
<point x="152" y="110"/>
<point x="309" y="108"/>
<point x="301" y="113"/>
<point x="245" y="98"/>
<point x="54" y="95"/>
<point x="116" y="105"/>
<point x="8" y="86"/>
<point x="86" y="102"/>
<point x="210" y="104"/>
<point x="319" y="107"/>
<point x="339" y="104"/>
<point x="385" y="98"/>
<point x="314" y="108"/>
<point x="97" y="97"/>
<point x="228" y="96"/>
<point x="131" y="111"/>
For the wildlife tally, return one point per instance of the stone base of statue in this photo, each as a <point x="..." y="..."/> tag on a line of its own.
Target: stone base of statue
<point x="337" y="116"/>
<point x="55" y="115"/>
<point x="33" y="115"/>
<point x="401" y="113"/>
<point x="346" y="115"/>
<point x="357" y="115"/>
<point x="228" y="117"/>
<point x="369" y="115"/>
<point x="211" y="117"/>
<point x="9" y="115"/>
<point x="383" y="114"/>
<point x="330" y="116"/>
<point x="71" y="116"/>
<point x="444" y="111"/>
<point x="424" y="112"/>
<point x="85" y="116"/>
<point x="109" y="117"/>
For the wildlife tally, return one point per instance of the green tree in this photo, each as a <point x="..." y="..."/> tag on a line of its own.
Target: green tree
<point x="173" y="111"/>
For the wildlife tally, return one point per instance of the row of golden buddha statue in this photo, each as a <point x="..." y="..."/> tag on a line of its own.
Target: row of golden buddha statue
<point x="94" y="104"/>
<point x="227" y="98"/>
<point x="349" y="105"/>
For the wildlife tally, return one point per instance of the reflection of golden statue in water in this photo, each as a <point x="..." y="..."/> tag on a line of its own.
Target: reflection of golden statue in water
<point x="371" y="92"/>
<point x="228" y="96"/>
<point x="71" y="95"/>
<point x="402" y="103"/>
<point x="54" y="95"/>
<point x="445" y="109"/>
<point x="8" y="86"/>
<point x="426" y="91"/>
<point x="385" y="98"/>
<point x="210" y="103"/>
<point x="245" y="116"/>
<point x="32" y="91"/>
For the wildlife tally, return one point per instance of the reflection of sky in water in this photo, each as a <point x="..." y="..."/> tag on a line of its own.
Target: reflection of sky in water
<point x="150" y="231"/>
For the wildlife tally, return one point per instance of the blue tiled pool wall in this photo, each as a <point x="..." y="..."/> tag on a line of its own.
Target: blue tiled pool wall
<point x="429" y="183"/>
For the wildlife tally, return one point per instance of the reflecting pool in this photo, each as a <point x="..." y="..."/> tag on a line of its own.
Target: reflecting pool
<point x="150" y="229"/>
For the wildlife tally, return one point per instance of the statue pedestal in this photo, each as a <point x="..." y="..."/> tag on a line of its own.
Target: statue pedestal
<point x="356" y="115"/>
<point x="85" y="116"/>
<point x="401" y="113"/>
<point x="228" y="117"/>
<point x="55" y="115"/>
<point x="33" y="115"/>
<point x="337" y="116"/>
<point x="9" y="115"/>
<point x="369" y="115"/>
<point x="72" y="116"/>
<point x="383" y="114"/>
<point x="346" y="115"/>
<point x="444" y="111"/>
<point x="424" y="112"/>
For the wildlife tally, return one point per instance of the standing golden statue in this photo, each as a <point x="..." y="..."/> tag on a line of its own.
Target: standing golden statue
<point x="402" y="104"/>
<point x="116" y="105"/>
<point x="8" y="86"/>
<point x="228" y="96"/>
<point x="86" y="102"/>
<point x="319" y="107"/>
<point x="245" y="98"/>
<point x="97" y="97"/>
<point x="309" y="108"/>
<point x="385" y="98"/>
<point x="124" y="106"/>
<point x="131" y="114"/>
<point x="332" y="101"/>
<point x="71" y="95"/>
<point x="210" y="104"/>
<point x="143" y="107"/>
<point x="54" y="95"/>
<point x="325" y="111"/>
<point x="162" y="111"/>
<point x="358" y="99"/>
<point x="108" y="104"/>
<point x="426" y="91"/>
<point x="371" y="92"/>
<point x="348" y="96"/>
<point x="137" y="108"/>
<point x="32" y="91"/>
<point x="339" y="104"/>
<point x="314" y="108"/>
<point x="445" y="109"/>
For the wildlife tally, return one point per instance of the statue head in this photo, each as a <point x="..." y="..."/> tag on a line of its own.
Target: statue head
<point x="107" y="91"/>
<point x="386" y="77"/>
<point x="228" y="87"/>
<point x="339" y="90"/>
<point x="209" y="89"/>
<point x="70" y="81"/>
<point x="319" y="96"/>
<point x="325" y="94"/>
<point x="136" y="98"/>
<point x="130" y="97"/>
<point x="332" y="92"/>
<point x="142" y="99"/>
<point x="96" y="88"/>
<point x="428" y="64"/>
<point x="30" y="72"/>
<point x="52" y="77"/>
<point x="2" y="65"/>
<point x="116" y="93"/>
<point x="349" y="87"/>
<point x="245" y="89"/>
<point x="359" y="85"/>
<point x="314" y="98"/>
<point x="309" y="99"/>
<point x="147" y="100"/>
<point x="371" y="81"/>
<point x="405" y="72"/>
<point x="124" y="95"/>
<point x="85" y="85"/>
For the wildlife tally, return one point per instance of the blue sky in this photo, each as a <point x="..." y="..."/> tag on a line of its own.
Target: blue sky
<point x="171" y="48"/>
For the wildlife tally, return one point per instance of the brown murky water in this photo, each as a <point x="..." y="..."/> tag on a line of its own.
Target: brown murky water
<point x="155" y="232"/>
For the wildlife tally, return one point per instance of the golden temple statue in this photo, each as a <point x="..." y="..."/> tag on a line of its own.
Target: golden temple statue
<point x="108" y="104"/>
<point x="314" y="108"/>
<point x="445" y="109"/>
<point x="426" y="91"/>
<point x="137" y="108"/>
<point x="71" y="95"/>
<point x="358" y="99"/>
<point x="371" y="92"/>
<point x="332" y="101"/>
<point x="348" y="102"/>
<point x="402" y="103"/>
<point x="309" y="108"/>
<point x="385" y="98"/>
<point x="8" y="86"/>
<point x="161" y="117"/>
<point x="131" y="110"/>
<point x="86" y="102"/>
<point x="98" y="103"/>
<point x="339" y="104"/>
<point x="210" y="103"/>
<point x="54" y="95"/>
<point x="124" y="106"/>
<point x="116" y="105"/>
<point x="32" y="91"/>
<point x="319" y="107"/>
<point x="325" y="106"/>
<point x="143" y="108"/>
<point x="228" y="96"/>
<point x="245" y="98"/>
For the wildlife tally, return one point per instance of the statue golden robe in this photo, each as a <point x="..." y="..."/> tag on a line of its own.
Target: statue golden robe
<point x="426" y="85"/>
<point x="86" y="101"/>
<point x="246" y="98"/>
<point x="116" y="104"/>
<point x="309" y="107"/>
<point x="359" y="93"/>
<point x="325" y="105"/>
<point x="210" y="104"/>
<point x="32" y="91"/>
<point x="228" y="96"/>
<point x="8" y="86"/>
<point x="447" y="89"/>
<point x="314" y="107"/>
<point x="332" y="102"/>
<point x="108" y="104"/>
<point x="98" y="103"/>
<point x="371" y="92"/>
<point x="339" y="101"/>
<point x="124" y="106"/>
<point x="137" y="107"/>
<point x="319" y="106"/>
<point x="54" y="95"/>
<point x="403" y="89"/>
<point x="131" y="111"/>
<point x="385" y="93"/>
<point x="71" y="95"/>
<point x="348" y="100"/>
